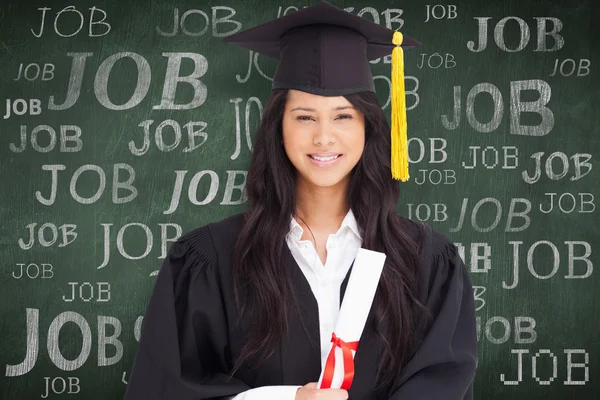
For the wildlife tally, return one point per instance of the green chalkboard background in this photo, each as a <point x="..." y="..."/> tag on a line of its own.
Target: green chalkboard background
<point x="512" y="104"/>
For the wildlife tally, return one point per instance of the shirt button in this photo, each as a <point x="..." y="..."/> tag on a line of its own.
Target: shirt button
<point x="324" y="283"/>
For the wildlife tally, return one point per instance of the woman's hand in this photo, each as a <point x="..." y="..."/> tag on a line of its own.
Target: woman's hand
<point x="310" y="392"/>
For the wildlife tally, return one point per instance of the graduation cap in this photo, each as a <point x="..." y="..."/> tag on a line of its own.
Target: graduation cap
<point x="325" y="50"/>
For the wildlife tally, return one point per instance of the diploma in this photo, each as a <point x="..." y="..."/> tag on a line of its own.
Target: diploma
<point x="358" y="298"/>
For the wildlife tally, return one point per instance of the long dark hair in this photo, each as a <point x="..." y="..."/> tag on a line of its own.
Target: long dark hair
<point x="372" y="195"/>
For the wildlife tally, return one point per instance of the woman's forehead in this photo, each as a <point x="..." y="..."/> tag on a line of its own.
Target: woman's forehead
<point x="298" y="98"/>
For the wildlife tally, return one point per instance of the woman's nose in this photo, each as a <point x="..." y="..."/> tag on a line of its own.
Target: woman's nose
<point x="324" y="134"/>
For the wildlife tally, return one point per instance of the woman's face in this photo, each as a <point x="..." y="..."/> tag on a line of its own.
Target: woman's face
<point x="322" y="127"/>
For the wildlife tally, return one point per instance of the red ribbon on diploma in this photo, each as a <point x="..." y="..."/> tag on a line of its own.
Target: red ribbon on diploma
<point x="347" y="348"/>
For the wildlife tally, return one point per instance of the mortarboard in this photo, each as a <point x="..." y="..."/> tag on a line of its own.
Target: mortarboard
<point x="325" y="50"/>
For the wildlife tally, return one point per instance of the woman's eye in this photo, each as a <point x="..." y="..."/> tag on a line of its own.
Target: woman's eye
<point x="309" y="118"/>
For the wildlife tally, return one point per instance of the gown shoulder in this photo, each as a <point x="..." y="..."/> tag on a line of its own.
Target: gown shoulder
<point x="443" y="367"/>
<point x="184" y="351"/>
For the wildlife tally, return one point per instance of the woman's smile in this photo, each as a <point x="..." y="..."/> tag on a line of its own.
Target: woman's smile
<point x="321" y="161"/>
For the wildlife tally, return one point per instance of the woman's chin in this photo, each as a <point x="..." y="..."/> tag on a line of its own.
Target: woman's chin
<point x="325" y="180"/>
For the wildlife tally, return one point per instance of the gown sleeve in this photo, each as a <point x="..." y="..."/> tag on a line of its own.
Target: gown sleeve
<point x="182" y="353"/>
<point x="443" y="368"/>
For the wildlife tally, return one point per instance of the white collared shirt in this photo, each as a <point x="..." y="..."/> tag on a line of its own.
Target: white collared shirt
<point x="325" y="282"/>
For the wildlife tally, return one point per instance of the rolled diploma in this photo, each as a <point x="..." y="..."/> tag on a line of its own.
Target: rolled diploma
<point x="355" y="307"/>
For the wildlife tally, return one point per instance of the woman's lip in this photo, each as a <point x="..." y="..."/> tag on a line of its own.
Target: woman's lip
<point x="324" y="163"/>
<point x="324" y="154"/>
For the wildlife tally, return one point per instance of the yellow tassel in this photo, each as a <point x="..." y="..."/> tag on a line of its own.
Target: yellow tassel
<point x="399" y="141"/>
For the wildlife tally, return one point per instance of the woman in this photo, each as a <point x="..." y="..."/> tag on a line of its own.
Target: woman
<point x="244" y="308"/>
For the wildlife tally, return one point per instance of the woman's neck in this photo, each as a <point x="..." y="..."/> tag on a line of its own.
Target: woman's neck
<point x="322" y="208"/>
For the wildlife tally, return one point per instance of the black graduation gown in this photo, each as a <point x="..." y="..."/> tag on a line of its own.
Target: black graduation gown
<point x="188" y="335"/>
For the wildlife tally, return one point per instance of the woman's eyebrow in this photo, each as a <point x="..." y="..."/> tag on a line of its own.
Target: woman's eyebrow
<point x="313" y="110"/>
